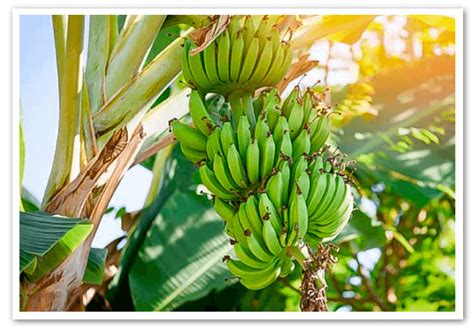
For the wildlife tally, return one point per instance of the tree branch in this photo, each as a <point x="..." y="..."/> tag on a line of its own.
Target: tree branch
<point x="366" y="283"/>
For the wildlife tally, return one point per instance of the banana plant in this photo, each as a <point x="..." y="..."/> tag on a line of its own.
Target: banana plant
<point x="105" y="107"/>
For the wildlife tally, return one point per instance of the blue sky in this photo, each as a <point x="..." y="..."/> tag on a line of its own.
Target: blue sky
<point x="40" y="104"/>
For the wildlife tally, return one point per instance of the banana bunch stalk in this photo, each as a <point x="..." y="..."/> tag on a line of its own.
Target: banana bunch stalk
<point x="264" y="159"/>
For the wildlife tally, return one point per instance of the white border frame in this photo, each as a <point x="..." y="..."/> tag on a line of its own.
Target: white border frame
<point x="457" y="13"/>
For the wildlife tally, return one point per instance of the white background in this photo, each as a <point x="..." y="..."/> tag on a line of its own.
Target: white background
<point x="5" y="133"/>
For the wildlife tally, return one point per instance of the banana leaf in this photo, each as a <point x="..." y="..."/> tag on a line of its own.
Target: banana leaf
<point x="181" y="258"/>
<point x="46" y="241"/>
<point x="409" y="146"/>
<point x="95" y="268"/>
<point x="174" y="255"/>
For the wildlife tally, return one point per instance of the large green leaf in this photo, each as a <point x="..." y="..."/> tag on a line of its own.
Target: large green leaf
<point x="184" y="226"/>
<point x="46" y="241"/>
<point x="181" y="258"/>
<point x="416" y="171"/>
<point x="95" y="268"/>
<point x="409" y="146"/>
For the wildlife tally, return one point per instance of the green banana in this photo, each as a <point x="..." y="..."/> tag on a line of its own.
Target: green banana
<point x="263" y="280"/>
<point x="320" y="131"/>
<point x="299" y="214"/>
<point x="223" y="175"/>
<point x="189" y="136"/>
<point x="274" y="190"/>
<point x="248" y="31"/>
<point x="252" y="163"/>
<point x="281" y="128"/>
<point x="303" y="185"/>
<point x="247" y="258"/>
<point x="308" y="106"/>
<point x="253" y="216"/>
<point x="271" y="238"/>
<point x="263" y="30"/>
<point x="210" y="181"/>
<point x="199" y="114"/>
<point x="275" y="66"/>
<point x="223" y="56"/>
<point x="285" y="146"/>
<point x="224" y="209"/>
<point x="244" y="220"/>
<point x="214" y="141"/>
<point x="234" y="27"/>
<point x="236" y="167"/>
<point x="250" y="61"/>
<point x="302" y="144"/>
<point x="261" y="131"/>
<point x="300" y="165"/>
<point x="210" y="150"/>
<point x="290" y="101"/>
<point x="244" y="135"/>
<point x="267" y="156"/>
<point x="271" y="104"/>
<point x="287" y="60"/>
<point x="192" y="154"/>
<point x="343" y="194"/>
<point x="318" y="187"/>
<point x="338" y="222"/>
<point x="268" y="210"/>
<point x="210" y="64"/>
<point x="227" y="135"/>
<point x="327" y="196"/>
<point x="237" y="52"/>
<point x="286" y="177"/>
<point x="263" y="63"/>
<point x="295" y="119"/>
<point x="198" y="71"/>
<point x="187" y="73"/>
<point x="257" y="247"/>
<point x="241" y="270"/>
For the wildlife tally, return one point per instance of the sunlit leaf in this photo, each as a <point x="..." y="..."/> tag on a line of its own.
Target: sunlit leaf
<point x="340" y="28"/>
<point x="49" y="240"/>
<point x="444" y="22"/>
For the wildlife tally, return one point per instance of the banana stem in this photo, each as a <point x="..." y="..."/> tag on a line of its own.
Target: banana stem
<point x="298" y="254"/>
<point x="69" y="55"/>
<point x="236" y="108"/>
<point x="241" y="103"/>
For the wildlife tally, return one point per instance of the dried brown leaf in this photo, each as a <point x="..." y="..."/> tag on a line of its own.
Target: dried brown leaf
<point x="70" y="200"/>
<point x="129" y="219"/>
<point x="302" y="66"/>
<point x="205" y="35"/>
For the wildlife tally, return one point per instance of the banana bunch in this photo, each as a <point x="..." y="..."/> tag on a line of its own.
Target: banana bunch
<point x="263" y="159"/>
<point x="270" y="181"/>
<point x="246" y="56"/>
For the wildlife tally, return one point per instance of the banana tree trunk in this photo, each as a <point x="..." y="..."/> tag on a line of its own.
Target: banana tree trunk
<point x="83" y="197"/>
